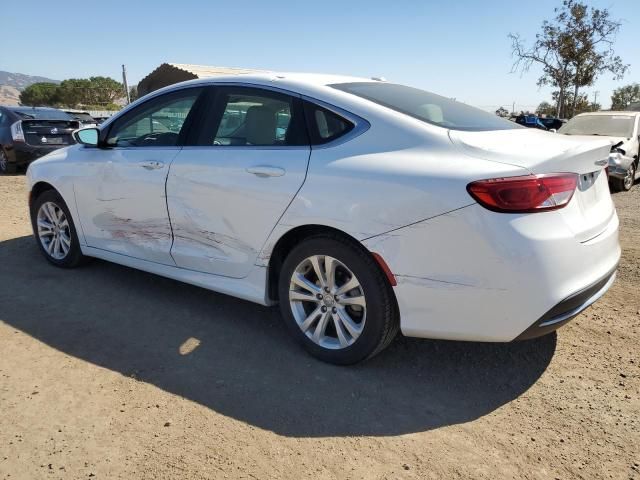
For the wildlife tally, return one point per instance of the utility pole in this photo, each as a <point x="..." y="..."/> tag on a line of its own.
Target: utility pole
<point x="513" y="107"/>
<point x="595" y="100"/>
<point x="126" y="85"/>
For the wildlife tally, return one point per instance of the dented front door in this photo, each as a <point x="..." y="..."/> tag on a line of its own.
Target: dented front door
<point x="121" y="196"/>
<point x="122" y="203"/>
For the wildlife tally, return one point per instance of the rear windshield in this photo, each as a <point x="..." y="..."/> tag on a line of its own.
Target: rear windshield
<point x="83" y="117"/>
<point x="38" y="114"/>
<point x="606" y="125"/>
<point x="428" y="107"/>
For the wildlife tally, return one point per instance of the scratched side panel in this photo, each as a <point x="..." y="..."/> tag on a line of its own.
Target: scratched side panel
<point x="122" y="205"/>
<point x="220" y="213"/>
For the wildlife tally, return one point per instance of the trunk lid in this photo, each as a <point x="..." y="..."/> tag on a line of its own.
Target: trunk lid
<point x="591" y="209"/>
<point x="537" y="151"/>
<point x="49" y="133"/>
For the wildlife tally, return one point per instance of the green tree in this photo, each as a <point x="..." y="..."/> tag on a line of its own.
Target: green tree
<point x="78" y="92"/>
<point x="623" y="97"/>
<point x="133" y="93"/>
<point x="105" y="90"/>
<point x="74" y="92"/>
<point x="502" y="112"/>
<point x="545" y="108"/>
<point x="40" y="94"/>
<point x="573" y="106"/>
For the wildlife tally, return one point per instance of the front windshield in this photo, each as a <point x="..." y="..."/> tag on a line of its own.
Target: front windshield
<point x="426" y="106"/>
<point x="605" y="125"/>
<point x="42" y="114"/>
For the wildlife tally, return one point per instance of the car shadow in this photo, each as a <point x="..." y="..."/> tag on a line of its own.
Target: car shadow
<point x="236" y="357"/>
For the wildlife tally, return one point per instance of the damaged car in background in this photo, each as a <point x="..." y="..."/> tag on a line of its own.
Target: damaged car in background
<point x="361" y="207"/>
<point x="622" y="129"/>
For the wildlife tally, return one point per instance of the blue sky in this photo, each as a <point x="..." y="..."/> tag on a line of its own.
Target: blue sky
<point x="456" y="48"/>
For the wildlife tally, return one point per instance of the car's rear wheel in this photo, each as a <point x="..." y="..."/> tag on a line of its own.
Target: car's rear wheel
<point x="54" y="230"/>
<point x="336" y="301"/>
<point x="5" y="165"/>
<point x="625" y="184"/>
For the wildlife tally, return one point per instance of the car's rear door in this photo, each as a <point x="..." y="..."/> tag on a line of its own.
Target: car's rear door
<point x="226" y="191"/>
<point x="121" y="200"/>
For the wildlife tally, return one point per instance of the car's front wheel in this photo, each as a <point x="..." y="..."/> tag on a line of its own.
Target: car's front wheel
<point x="336" y="300"/>
<point x="54" y="230"/>
<point x="625" y="184"/>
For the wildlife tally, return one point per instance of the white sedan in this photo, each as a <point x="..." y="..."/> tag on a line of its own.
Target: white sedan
<point x="362" y="207"/>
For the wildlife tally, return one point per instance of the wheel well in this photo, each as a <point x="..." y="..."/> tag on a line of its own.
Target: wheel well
<point x="287" y="242"/>
<point x="38" y="189"/>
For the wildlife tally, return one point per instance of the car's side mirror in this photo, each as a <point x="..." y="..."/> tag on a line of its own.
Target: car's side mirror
<point x="87" y="136"/>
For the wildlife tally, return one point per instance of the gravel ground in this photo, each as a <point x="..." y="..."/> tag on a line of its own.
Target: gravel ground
<point x="107" y="372"/>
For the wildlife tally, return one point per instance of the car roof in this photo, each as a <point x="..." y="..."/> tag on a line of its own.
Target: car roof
<point x="285" y="79"/>
<point x="311" y="84"/>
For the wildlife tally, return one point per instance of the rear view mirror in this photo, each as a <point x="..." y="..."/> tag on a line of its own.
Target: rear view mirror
<point x="87" y="136"/>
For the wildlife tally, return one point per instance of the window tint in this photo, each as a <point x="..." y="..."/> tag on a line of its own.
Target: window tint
<point x="325" y="125"/>
<point x="428" y="107"/>
<point x="254" y="117"/>
<point x="157" y="123"/>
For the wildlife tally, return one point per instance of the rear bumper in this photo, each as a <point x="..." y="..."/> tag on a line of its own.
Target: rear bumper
<point x="569" y="308"/>
<point x="23" y="154"/>
<point x="477" y="275"/>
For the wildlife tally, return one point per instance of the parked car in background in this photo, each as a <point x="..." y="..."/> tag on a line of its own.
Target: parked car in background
<point x="361" y="206"/>
<point x="552" y="123"/>
<point x="531" y="121"/>
<point x="85" y="118"/>
<point x="622" y="129"/>
<point x="28" y="133"/>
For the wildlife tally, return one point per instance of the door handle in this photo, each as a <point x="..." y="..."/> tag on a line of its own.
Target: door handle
<point x="266" y="171"/>
<point x="151" y="164"/>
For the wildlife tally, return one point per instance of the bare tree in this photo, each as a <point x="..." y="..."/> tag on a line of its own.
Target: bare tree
<point x="593" y="34"/>
<point x="573" y="50"/>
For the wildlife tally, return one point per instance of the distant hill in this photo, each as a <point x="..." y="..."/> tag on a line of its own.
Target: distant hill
<point x="22" y="81"/>
<point x="12" y="83"/>
<point x="9" y="95"/>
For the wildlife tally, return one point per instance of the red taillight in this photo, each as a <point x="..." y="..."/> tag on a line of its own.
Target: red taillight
<point x="531" y="193"/>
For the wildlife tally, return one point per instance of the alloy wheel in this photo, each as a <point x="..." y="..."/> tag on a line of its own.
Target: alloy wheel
<point x="3" y="161"/>
<point x="54" y="231"/>
<point x="327" y="302"/>
<point x="629" y="178"/>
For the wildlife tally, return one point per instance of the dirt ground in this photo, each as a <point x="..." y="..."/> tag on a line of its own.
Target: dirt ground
<point x="107" y="372"/>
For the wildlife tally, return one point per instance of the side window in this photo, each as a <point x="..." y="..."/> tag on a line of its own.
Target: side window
<point x="325" y="125"/>
<point x="157" y="123"/>
<point x="245" y="116"/>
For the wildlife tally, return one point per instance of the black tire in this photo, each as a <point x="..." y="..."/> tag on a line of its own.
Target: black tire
<point x="619" y="184"/>
<point x="74" y="256"/>
<point x="382" y="317"/>
<point x="6" y="167"/>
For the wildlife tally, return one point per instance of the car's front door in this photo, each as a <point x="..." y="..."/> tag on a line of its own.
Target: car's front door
<point x="121" y="199"/>
<point x="227" y="191"/>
